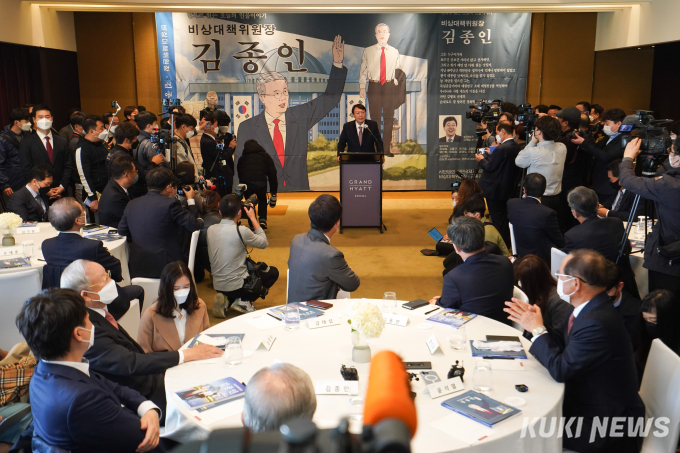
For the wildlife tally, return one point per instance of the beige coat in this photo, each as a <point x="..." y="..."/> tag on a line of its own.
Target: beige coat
<point x="158" y="333"/>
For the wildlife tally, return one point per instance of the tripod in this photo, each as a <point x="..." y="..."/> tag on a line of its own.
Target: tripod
<point x="631" y="217"/>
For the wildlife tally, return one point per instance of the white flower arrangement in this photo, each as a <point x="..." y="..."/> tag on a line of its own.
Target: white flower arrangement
<point x="367" y="319"/>
<point x="9" y="221"/>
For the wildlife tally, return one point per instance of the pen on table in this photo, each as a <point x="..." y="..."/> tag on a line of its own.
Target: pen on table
<point x="432" y="311"/>
<point x="500" y="358"/>
<point x="275" y="317"/>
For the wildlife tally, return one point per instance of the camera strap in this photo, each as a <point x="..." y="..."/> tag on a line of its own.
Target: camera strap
<point x="11" y="140"/>
<point x="238" y="230"/>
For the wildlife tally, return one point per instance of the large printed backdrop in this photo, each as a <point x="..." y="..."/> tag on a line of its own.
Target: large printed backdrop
<point x="449" y="61"/>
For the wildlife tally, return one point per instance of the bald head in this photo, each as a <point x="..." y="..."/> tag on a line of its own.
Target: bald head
<point x="589" y="266"/>
<point x="66" y="214"/>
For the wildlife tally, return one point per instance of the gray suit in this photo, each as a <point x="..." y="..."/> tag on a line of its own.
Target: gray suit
<point x="299" y="120"/>
<point x="317" y="269"/>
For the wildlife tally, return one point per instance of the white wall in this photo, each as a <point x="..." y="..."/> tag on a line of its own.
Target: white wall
<point x="648" y="23"/>
<point x="31" y="25"/>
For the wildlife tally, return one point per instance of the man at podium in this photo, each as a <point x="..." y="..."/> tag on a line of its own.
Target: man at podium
<point x="360" y="135"/>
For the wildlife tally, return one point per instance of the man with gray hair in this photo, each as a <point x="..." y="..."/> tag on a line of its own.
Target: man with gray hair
<point x="483" y="283"/>
<point x="277" y="394"/>
<point x="602" y="235"/>
<point x="67" y="217"/>
<point x="283" y="131"/>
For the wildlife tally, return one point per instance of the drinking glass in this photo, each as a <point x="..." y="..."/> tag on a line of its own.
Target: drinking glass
<point x="482" y="378"/>
<point x="233" y="348"/>
<point x="390" y="302"/>
<point x="457" y="338"/>
<point x="641" y="225"/>
<point x="29" y="248"/>
<point x="356" y="402"/>
<point x="291" y="315"/>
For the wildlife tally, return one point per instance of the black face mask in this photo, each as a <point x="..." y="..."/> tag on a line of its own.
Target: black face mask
<point x="43" y="190"/>
<point x="652" y="329"/>
<point x="615" y="185"/>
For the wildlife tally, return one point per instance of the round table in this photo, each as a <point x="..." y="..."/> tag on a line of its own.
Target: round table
<point x="117" y="248"/>
<point x="321" y="352"/>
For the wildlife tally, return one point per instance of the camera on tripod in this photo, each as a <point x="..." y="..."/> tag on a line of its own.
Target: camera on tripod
<point x="240" y="193"/>
<point x="163" y="139"/>
<point x="485" y="112"/>
<point x="527" y="116"/>
<point x="654" y="140"/>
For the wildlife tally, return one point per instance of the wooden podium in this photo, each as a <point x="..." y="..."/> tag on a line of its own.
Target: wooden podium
<point x="361" y="190"/>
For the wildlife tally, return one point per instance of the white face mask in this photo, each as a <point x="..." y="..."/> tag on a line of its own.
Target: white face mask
<point x="516" y="123"/>
<point x="26" y="127"/>
<point x="108" y="293"/>
<point x="560" y="290"/>
<point x="113" y="128"/>
<point x="607" y="130"/>
<point x="592" y="118"/>
<point x="44" y="124"/>
<point x="498" y="139"/>
<point x="190" y="134"/>
<point x="224" y="129"/>
<point x="181" y="295"/>
<point x="454" y="203"/>
<point x="91" y="340"/>
<point x="104" y="135"/>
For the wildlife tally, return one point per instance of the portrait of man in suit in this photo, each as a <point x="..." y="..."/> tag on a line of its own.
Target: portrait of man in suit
<point x="450" y="127"/>
<point x="283" y="131"/>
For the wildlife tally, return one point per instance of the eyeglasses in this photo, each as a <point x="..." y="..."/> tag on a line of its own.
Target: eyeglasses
<point x="569" y="277"/>
<point x="104" y="281"/>
<point x="278" y="94"/>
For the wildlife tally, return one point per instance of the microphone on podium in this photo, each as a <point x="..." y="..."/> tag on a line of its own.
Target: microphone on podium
<point x="365" y="126"/>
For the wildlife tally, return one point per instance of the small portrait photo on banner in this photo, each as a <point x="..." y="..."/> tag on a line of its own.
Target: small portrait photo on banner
<point x="450" y="129"/>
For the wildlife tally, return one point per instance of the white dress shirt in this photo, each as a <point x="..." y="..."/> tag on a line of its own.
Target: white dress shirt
<point x="42" y="138"/>
<point x="546" y="158"/>
<point x="181" y="323"/>
<point x="370" y="64"/>
<point x="282" y="126"/>
<point x="360" y="129"/>
<point x="450" y="139"/>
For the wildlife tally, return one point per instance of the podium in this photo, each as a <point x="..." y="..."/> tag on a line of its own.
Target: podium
<point x="361" y="190"/>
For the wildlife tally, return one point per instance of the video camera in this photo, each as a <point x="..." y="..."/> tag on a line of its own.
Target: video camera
<point x="240" y="193"/>
<point x="163" y="139"/>
<point x="655" y="140"/>
<point x="527" y="116"/>
<point x="485" y="112"/>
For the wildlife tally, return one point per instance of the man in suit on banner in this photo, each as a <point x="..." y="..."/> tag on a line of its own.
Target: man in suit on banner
<point x="450" y="127"/>
<point x="360" y="135"/>
<point x="283" y="132"/>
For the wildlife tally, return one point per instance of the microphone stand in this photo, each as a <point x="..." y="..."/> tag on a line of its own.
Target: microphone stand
<point x="111" y="123"/>
<point x="382" y="150"/>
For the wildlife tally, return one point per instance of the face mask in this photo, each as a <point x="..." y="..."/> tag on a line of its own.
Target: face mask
<point x="135" y="179"/>
<point x="108" y="293"/>
<point x="113" y="128"/>
<point x="91" y="340"/>
<point x="44" y="124"/>
<point x="652" y="329"/>
<point x="592" y="118"/>
<point x="104" y="135"/>
<point x="216" y="130"/>
<point x="516" y="123"/>
<point x="560" y="290"/>
<point x="607" y="130"/>
<point x="26" y="127"/>
<point x="43" y="190"/>
<point x="454" y="203"/>
<point x="498" y="138"/>
<point x="224" y="129"/>
<point x="181" y="295"/>
<point x="190" y="134"/>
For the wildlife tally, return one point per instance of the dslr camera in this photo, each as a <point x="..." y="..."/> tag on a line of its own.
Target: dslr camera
<point x="240" y="193"/>
<point x="655" y="140"/>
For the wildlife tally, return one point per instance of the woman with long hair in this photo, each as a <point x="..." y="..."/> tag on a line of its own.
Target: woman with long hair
<point x="468" y="187"/>
<point x="534" y="279"/>
<point x="178" y="314"/>
<point x="660" y="319"/>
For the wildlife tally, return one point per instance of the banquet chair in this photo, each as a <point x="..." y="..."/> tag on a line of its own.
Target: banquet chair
<point x="512" y="240"/>
<point x="519" y="294"/>
<point x="192" y="252"/>
<point x="16" y="288"/>
<point x="131" y="319"/>
<point x="150" y="286"/>
<point x="556" y="257"/>
<point x="660" y="391"/>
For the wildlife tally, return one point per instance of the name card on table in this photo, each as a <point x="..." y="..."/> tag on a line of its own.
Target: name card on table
<point x="397" y="320"/>
<point x="267" y="343"/>
<point x="336" y="387"/>
<point x="28" y="229"/>
<point x="326" y="321"/>
<point x="447" y="387"/>
<point x="14" y="250"/>
<point x="433" y="344"/>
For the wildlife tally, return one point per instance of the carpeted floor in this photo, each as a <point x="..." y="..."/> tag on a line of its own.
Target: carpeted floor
<point x="385" y="262"/>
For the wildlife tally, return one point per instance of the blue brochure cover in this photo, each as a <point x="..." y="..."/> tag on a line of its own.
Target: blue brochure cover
<point x="207" y="396"/>
<point x="306" y="311"/>
<point x="480" y="408"/>
<point x="452" y="317"/>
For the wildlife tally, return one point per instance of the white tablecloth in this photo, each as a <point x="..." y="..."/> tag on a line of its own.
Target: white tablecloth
<point x="118" y="248"/>
<point x="321" y="352"/>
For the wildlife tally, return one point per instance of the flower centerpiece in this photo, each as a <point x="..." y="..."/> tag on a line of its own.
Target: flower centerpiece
<point x="8" y="224"/>
<point x="367" y="322"/>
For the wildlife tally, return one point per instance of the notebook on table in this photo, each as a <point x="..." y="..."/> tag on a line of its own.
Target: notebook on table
<point x="480" y="408"/>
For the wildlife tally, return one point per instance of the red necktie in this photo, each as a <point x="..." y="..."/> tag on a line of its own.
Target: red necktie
<point x="571" y="323"/>
<point x="383" y="68"/>
<point x="111" y="319"/>
<point x="278" y="142"/>
<point x="48" y="148"/>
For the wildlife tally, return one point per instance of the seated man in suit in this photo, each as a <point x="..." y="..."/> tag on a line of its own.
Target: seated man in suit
<point x="114" y="354"/>
<point x="31" y="202"/>
<point x="317" y="269"/>
<point x="601" y="235"/>
<point x="591" y="355"/>
<point x="535" y="226"/>
<point x="74" y="408"/>
<point x="619" y="204"/>
<point x="152" y="224"/>
<point x="115" y="197"/>
<point x="627" y="305"/>
<point x="450" y="124"/>
<point x="483" y="282"/>
<point x="60" y="251"/>
<point x="360" y="135"/>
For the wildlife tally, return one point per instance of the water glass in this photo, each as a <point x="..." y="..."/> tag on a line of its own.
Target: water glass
<point x="29" y="248"/>
<point x="482" y="377"/>
<point x="234" y="351"/>
<point x="457" y="338"/>
<point x="390" y="302"/>
<point x="291" y="316"/>
<point x="356" y="402"/>
<point x="641" y="225"/>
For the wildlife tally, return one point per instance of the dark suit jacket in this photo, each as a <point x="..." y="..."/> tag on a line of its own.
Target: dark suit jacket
<point x="299" y="120"/>
<point x="33" y="153"/>
<point x="596" y="364"/>
<point x="65" y="248"/>
<point x="500" y="172"/>
<point x="116" y="356"/>
<point x="22" y="202"/>
<point x="535" y="226"/>
<point x="82" y="413"/>
<point x="350" y="138"/>
<point x="629" y="309"/>
<point x="468" y="287"/>
<point x="625" y="206"/>
<point x="153" y="224"/>
<point x="112" y="204"/>
<point x="604" y="153"/>
<point x="317" y="269"/>
<point x="456" y="138"/>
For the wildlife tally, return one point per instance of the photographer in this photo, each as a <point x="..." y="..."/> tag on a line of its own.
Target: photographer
<point x="147" y="152"/>
<point x="227" y="242"/>
<point x="185" y="172"/>
<point x="217" y="150"/>
<point x="575" y="164"/>
<point x="664" y="271"/>
<point x="185" y="128"/>
<point x="604" y="151"/>
<point x="255" y="167"/>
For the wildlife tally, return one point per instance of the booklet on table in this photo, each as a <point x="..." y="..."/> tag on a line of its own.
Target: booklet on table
<point x="480" y="408"/>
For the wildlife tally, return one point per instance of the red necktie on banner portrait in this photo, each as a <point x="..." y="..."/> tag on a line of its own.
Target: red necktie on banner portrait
<point x="278" y="142"/>
<point x="383" y="68"/>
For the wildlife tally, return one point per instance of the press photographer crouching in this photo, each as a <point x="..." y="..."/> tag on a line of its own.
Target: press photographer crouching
<point x="234" y="274"/>
<point x="662" y="250"/>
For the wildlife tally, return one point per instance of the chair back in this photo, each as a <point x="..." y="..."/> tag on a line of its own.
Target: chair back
<point x="192" y="251"/>
<point x="131" y="319"/>
<point x="52" y="276"/>
<point x="150" y="286"/>
<point x="556" y="258"/>
<point x="660" y="391"/>
<point x="16" y="288"/>
<point x="512" y="240"/>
